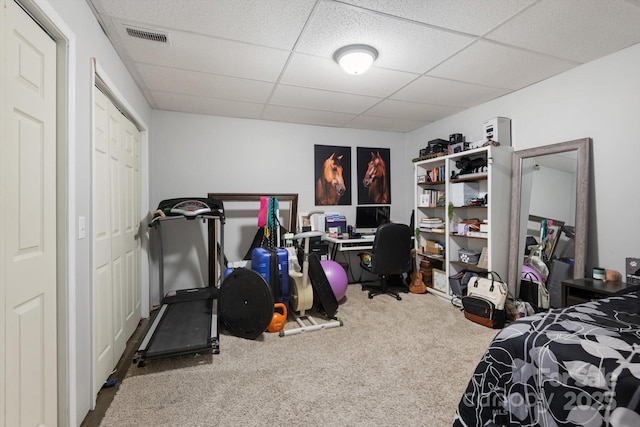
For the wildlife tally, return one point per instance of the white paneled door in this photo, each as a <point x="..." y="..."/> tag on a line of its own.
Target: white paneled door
<point x="116" y="216"/>
<point x="27" y="221"/>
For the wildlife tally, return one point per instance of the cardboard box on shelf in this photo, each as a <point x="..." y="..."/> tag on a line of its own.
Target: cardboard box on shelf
<point x="433" y="247"/>
<point x="457" y="147"/>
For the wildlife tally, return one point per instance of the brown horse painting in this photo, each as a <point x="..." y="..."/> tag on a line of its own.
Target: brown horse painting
<point x="330" y="186"/>
<point x="375" y="180"/>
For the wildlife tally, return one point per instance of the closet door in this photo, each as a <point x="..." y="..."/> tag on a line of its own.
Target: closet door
<point x="28" y="339"/>
<point x="130" y="243"/>
<point x="116" y="256"/>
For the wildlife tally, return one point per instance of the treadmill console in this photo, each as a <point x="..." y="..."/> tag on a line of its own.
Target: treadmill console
<point x="189" y="208"/>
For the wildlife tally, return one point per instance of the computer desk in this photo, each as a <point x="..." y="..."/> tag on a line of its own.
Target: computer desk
<point x="344" y="246"/>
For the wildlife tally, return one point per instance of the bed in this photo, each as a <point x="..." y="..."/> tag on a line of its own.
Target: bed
<point x="572" y="366"/>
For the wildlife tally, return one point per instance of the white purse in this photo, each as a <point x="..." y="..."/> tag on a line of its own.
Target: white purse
<point x="543" y="296"/>
<point x="489" y="288"/>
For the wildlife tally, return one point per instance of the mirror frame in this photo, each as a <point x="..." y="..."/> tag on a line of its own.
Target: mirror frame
<point x="582" y="146"/>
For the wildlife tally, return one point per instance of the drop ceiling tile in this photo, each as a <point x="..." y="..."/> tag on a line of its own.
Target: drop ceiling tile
<point x="204" y="84"/>
<point x="235" y="52"/>
<point x="466" y="16"/>
<point x="578" y="30"/>
<point x="450" y="93"/>
<point x="207" y="54"/>
<point x="402" y="45"/>
<point x="300" y="115"/>
<point x="275" y="23"/>
<point x="323" y="73"/>
<point x="411" y="111"/>
<point x="500" y="66"/>
<point x="202" y="105"/>
<point x="384" y="124"/>
<point x="313" y="99"/>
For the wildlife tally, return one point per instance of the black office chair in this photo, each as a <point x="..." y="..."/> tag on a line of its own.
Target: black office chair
<point x="390" y="255"/>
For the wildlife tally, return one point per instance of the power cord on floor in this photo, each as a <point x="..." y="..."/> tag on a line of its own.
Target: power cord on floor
<point x="456" y="301"/>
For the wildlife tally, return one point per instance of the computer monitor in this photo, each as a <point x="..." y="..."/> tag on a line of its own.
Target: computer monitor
<point x="368" y="218"/>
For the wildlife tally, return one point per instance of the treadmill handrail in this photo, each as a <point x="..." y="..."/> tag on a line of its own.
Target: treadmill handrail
<point x="157" y="218"/>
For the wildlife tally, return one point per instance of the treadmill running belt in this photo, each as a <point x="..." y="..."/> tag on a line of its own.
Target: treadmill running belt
<point x="184" y="328"/>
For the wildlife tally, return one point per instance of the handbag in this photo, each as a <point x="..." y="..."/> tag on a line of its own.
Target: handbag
<point x="483" y="312"/>
<point x="534" y="292"/>
<point x="543" y="296"/>
<point x="489" y="288"/>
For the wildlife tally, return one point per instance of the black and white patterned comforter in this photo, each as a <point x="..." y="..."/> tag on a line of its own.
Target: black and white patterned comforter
<point x="573" y="366"/>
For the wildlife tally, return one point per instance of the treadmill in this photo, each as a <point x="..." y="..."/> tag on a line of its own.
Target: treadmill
<point x="188" y="320"/>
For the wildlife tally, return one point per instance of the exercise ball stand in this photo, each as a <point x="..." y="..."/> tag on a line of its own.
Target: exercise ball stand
<point x="302" y="302"/>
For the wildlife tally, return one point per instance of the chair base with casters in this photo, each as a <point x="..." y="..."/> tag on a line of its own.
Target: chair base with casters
<point x="390" y="256"/>
<point x="383" y="288"/>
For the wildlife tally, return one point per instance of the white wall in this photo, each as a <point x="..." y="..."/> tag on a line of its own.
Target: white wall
<point x="192" y="155"/>
<point x="600" y="100"/>
<point x="90" y="42"/>
<point x="558" y="204"/>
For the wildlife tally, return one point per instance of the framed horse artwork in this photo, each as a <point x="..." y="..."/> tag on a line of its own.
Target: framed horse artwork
<point x="374" y="176"/>
<point x="332" y="175"/>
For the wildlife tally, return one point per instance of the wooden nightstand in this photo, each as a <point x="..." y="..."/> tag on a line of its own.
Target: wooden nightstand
<point x="577" y="291"/>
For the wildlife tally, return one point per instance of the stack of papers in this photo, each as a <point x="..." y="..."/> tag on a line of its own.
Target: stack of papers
<point x="430" y="223"/>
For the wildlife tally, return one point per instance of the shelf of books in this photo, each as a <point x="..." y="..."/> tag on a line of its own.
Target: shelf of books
<point x="459" y="226"/>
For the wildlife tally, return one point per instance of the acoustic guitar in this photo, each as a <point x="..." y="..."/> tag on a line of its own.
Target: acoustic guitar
<point x="417" y="286"/>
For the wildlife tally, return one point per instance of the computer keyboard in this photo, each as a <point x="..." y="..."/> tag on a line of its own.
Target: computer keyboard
<point x="368" y="236"/>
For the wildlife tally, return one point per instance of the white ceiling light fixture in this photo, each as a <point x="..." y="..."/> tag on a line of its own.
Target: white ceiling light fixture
<point x="356" y="58"/>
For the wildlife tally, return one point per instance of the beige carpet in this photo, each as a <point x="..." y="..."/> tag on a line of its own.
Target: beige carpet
<point x="393" y="363"/>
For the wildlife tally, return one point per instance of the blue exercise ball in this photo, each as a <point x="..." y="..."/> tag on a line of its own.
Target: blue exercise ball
<point x="337" y="277"/>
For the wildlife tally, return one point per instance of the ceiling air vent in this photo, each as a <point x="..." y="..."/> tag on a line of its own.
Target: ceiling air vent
<point x="147" y="35"/>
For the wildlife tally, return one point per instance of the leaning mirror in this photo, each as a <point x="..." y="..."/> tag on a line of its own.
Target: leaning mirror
<point x="549" y="208"/>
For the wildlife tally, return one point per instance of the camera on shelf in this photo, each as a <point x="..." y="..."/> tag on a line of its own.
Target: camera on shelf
<point x="468" y="165"/>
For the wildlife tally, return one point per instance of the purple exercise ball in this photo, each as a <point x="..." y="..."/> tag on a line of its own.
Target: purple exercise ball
<point x="336" y="276"/>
